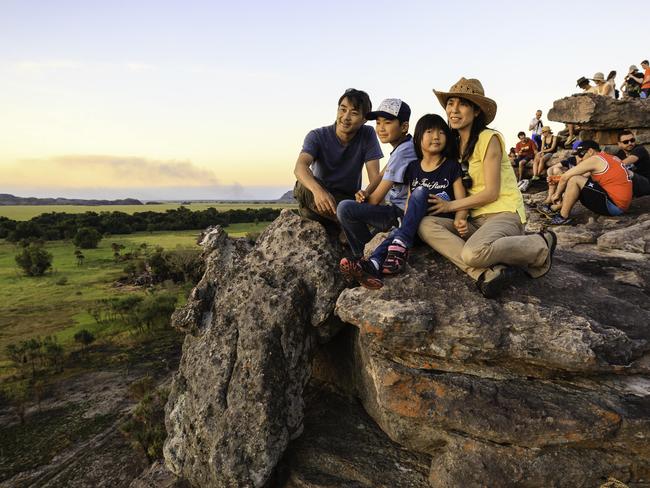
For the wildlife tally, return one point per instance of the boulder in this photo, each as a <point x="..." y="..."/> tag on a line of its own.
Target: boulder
<point x="598" y="112"/>
<point x="236" y="400"/>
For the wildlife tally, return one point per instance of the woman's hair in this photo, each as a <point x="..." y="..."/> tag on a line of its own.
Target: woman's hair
<point x="433" y="121"/>
<point x="478" y="125"/>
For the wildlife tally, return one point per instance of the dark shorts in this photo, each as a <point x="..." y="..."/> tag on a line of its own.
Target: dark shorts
<point x="596" y="199"/>
<point x="640" y="186"/>
<point x="306" y="205"/>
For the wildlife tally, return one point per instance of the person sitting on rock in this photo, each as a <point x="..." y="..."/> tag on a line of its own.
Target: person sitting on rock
<point x="603" y="88"/>
<point x="328" y="169"/>
<point x="526" y="150"/>
<point x="607" y="190"/>
<point x="392" y="126"/>
<point x="549" y="146"/>
<point x="586" y="87"/>
<point x="547" y="207"/>
<point x="435" y="172"/>
<point x="645" y="83"/>
<point x="636" y="160"/>
<point x="495" y="245"/>
<point x="631" y="87"/>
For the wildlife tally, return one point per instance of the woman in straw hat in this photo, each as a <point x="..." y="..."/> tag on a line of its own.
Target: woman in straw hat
<point x="496" y="245"/>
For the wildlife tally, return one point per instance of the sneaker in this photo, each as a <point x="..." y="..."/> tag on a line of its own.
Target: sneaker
<point x="350" y="268"/>
<point x="494" y="287"/>
<point x="535" y="178"/>
<point x="395" y="259"/>
<point x="559" y="220"/>
<point x="523" y="185"/>
<point x="546" y="210"/>
<point x="551" y="242"/>
<point x="369" y="277"/>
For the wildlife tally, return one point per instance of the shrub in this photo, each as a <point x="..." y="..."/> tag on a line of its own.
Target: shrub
<point x="87" y="238"/>
<point x="84" y="337"/>
<point x="34" y="260"/>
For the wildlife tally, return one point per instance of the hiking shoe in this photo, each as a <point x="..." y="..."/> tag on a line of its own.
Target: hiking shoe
<point x="559" y="220"/>
<point x="535" y="178"/>
<point x="551" y="242"/>
<point x="370" y="277"/>
<point x="395" y="259"/>
<point x="546" y="210"/>
<point x="494" y="287"/>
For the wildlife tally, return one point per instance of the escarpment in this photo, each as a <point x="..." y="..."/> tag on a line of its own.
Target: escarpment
<point x="549" y="385"/>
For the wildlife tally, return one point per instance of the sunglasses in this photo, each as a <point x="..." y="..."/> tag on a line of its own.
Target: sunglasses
<point x="628" y="141"/>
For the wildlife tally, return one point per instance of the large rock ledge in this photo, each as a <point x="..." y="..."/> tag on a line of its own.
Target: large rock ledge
<point x="547" y="386"/>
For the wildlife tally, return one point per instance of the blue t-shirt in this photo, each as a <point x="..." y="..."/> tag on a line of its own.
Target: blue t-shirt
<point x="337" y="166"/>
<point x="439" y="182"/>
<point x="399" y="160"/>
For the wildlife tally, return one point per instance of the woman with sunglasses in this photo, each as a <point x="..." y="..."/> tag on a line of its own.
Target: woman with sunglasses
<point x="496" y="245"/>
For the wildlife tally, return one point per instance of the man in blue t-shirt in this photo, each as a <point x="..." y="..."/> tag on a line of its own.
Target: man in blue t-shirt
<point x="392" y="126"/>
<point x="330" y="163"/>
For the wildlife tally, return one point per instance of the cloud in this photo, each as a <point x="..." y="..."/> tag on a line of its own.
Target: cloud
<point x="105" y="170"/>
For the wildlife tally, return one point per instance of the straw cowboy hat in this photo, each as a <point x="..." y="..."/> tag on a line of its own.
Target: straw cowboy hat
<point x="472" y="90"/>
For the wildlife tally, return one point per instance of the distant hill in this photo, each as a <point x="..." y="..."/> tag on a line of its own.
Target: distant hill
<point x="6" y="199"/>
<point x="287" y="197"/>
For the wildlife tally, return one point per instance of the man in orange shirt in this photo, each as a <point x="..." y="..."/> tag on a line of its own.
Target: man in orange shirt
<point x="606" y="191"/>
<point x="645" y="86"/>
<point x="525" y="151"/>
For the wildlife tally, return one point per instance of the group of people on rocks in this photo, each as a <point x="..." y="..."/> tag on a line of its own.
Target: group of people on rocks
<point x="636" y="83"/>
<point x="450" y="183"/>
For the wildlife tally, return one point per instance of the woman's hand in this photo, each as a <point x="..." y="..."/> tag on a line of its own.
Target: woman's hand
<point x="438" y="205"/>
<point x="461" y="227"/>
<point x="360" y="196"/>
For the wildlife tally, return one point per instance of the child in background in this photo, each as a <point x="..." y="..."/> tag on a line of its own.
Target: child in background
<point x="436" y="172"/>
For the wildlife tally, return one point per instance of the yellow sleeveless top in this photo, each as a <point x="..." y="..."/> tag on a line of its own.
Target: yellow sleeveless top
<point x="510" y="199"/>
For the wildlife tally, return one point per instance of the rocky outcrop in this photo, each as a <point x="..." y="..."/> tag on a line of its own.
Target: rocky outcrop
<point x="602" y="118"/>
<point x="547" y="386"/>
<point x="236" y="401"/>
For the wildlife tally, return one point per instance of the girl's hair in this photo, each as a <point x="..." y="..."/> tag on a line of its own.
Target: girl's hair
<point x="478" y="125"/>
<point x="433" y="121"/>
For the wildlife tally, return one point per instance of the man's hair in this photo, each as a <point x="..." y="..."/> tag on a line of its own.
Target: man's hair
<point x="645" y="61"/>
<point x="625" y="132"/>
<point x="522" y="133"/>
<point x="538" y="110"/>
<point x="433" y="121"/>
<point x="359" y="100"/>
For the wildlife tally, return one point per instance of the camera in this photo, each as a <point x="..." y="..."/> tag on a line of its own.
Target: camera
<point x="466" y="178"/>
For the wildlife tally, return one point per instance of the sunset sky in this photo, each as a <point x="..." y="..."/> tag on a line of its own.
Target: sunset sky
<point x="212" y="100"/>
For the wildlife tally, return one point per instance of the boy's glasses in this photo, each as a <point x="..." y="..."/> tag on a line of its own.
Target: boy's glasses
<point x="628" y="141"/>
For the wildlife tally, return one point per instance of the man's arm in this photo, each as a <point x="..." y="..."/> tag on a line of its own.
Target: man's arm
<point x="631" y="159"/>
<point x="323" y="200"/>
<point x="586" y="167"/>
<point x="372" y="167"/>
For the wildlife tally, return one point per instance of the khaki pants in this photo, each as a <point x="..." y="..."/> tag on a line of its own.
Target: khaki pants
<point x="494" y="240"/>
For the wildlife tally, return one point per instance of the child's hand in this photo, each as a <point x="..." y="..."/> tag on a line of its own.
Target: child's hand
<point x="461" y="227"/>
<point x="360" y="196"/>
<point x="438" y="205"/>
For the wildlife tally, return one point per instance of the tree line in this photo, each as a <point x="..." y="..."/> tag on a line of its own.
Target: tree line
<point x="57" y="225"/>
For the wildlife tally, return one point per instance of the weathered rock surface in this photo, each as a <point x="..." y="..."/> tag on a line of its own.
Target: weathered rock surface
<point x="600" y="112"/>
<point x="547" y="386"/>
<point x="236" y="401"/>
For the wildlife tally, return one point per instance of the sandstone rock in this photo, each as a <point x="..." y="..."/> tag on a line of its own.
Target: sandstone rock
<point x="236" y="400"/>
<point x="342" y="447"/>
<point x="635" y="238"/>
<point x="598" y="112"/>
<point x="513" y="391"/>
<point x="221" y="255"/>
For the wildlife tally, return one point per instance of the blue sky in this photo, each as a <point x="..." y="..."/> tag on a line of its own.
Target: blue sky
<point x="212" y="99"/>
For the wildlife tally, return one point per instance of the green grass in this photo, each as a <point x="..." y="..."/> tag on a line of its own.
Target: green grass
<point x="26" y="212"/>
<point x="38" y="306"/>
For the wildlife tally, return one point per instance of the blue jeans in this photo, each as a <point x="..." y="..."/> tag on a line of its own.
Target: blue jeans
<point x="355" y="218"/>
<point x="416" y="210"/>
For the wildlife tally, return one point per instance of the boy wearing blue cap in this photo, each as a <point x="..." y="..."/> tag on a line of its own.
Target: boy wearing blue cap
<point x="392" y="126"/>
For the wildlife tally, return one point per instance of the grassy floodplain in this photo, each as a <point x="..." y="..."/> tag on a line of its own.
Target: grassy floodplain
<point x="41" y="306"/>
<point x="26" y="212"/>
